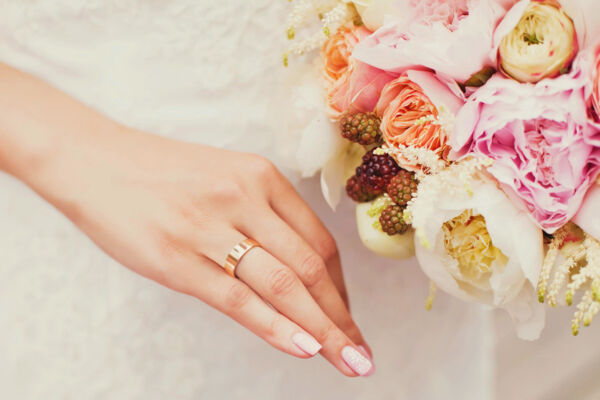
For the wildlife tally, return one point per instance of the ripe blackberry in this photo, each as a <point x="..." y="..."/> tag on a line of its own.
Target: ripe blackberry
<point x="361" y="128"/>
<point x="376" y="171"/>
<point x="402" y="186"/>
<point x="357" y="192"/>
<point x="392" y="220"/>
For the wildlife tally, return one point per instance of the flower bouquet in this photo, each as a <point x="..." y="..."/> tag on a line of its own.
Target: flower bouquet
<point x="468" y="132"/>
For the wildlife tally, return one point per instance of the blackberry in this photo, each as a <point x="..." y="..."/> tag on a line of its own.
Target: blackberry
<point x="361" y="128"/>
<point x="402" y="186"/>
<point x="392" y="220"/>
<point x="376" y="171"/>
<point x="357" y="192"/>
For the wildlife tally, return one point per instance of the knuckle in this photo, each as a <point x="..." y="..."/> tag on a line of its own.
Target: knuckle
<point x="228" y="192"/>
<point x="264" y="167"/>
<point x="274" y="328"/>
<point x="169" y="247"/>
<point x="331" y="334"/>
<point x="237" y="295"/>
<point x="281" y="281"/>
<point x="327" y="247"/>
<point x="312" y="270"/>
<point x="351" y="329"/>
<point x="171" y="278"/>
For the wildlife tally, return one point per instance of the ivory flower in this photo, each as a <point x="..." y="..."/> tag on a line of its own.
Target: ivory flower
<point x="451" y="37"/>
<point x="374" y="13"/>
<point x="537" y="40"/>
<point x="478" y="247"/>
<point x="318" y="143"/>
<point x="588" y="217"/>
<point x="417" y="111"/>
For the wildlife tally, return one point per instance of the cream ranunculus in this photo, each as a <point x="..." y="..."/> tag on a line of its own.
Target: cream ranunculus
<point x="374" y="12"/>
<point x="476" y="245"/>
<point x="537" y="40"/>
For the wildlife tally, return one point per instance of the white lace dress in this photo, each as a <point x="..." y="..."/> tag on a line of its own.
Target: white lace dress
<point x="74" y="324"/>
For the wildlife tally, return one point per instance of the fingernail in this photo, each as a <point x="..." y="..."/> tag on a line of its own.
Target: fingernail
<point x="364" y="350"/>
<point x="306" y="343"/>
<point x="359" y="363"/>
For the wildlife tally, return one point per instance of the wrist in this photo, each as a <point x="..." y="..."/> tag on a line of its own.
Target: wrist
<point x="50" y="158"/>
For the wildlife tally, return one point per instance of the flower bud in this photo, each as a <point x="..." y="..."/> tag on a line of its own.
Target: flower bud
<point x="398" y="246"/>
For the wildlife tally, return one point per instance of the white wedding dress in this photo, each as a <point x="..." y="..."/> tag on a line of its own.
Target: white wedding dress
<point x="74" y="324"/>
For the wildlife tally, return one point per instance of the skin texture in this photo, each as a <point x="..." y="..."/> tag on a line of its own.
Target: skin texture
<point x="171" y="211"/>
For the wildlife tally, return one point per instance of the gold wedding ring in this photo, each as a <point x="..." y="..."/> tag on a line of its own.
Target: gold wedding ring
<point x="236" y="254"/>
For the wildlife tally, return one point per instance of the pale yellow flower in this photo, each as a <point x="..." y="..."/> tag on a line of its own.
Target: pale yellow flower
<point x="468" y="241"/>
<point x="538" y="40"/>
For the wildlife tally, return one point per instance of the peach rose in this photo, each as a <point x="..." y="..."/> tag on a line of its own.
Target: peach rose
<point x="352" y="86"/>
<point x="337" y="50"/>
<point x="415" y="110"/>
<point x="357" y="90"/>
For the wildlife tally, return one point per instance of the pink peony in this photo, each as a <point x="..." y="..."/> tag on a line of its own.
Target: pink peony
<point x="596" y="86"/>
<point x="546" y="152"/>
<point x="451" y="37"/>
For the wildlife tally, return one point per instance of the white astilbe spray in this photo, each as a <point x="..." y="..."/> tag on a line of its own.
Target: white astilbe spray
<point x="449" y="179"/>
<point x="333" y="15"/>
<point x="577" y="272"/>
<point x="429" y="160"/>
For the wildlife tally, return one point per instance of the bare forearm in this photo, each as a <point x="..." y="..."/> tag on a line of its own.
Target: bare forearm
<point x="40" y="126"/>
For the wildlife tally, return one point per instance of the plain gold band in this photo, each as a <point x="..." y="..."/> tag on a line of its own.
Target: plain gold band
<point x="236" y="254"/>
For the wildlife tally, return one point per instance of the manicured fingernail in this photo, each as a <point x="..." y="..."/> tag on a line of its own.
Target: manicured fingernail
<point x="359" y="363"/>
<point x="364" y="350"/>
<point x="306" y="343"/>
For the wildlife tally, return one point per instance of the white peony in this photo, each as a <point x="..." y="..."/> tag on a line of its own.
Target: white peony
<point x="475" y="245"/>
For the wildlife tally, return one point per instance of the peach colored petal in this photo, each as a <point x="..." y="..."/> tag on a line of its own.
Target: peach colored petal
<point x="337" y="51"/>
<point x="409" y="118"/>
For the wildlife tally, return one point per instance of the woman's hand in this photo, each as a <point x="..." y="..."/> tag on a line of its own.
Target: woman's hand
<point x="172" y="211"/>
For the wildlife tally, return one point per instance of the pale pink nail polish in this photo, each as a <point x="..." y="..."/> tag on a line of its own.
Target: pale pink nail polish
<point x="364" y="350"/>
<point x="306" y="343"/>
<point x="359" y="363"/>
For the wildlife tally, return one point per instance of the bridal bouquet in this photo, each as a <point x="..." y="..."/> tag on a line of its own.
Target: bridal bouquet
<point x="468" y="132"/>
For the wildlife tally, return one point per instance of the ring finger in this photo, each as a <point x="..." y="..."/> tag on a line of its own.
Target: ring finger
<point x="278" y="285"/>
